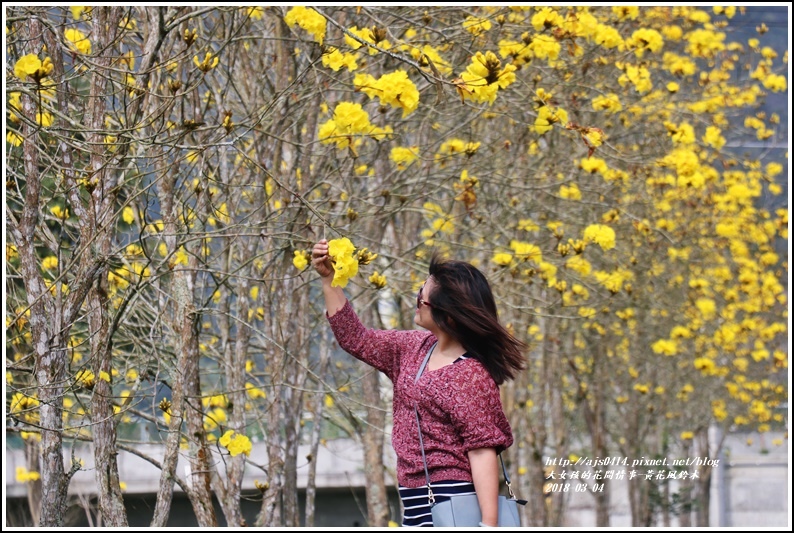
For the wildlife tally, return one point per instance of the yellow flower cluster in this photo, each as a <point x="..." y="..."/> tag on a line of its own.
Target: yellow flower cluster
<point x="637" y="75"/>
<point x="335" y="59"/>
<point x="23" y="476"/>
<point x="484" y="77"/>
<point x="705" y="43"/>
<point x="600" y="234"/>
<point x="545" y="47"/>
<point x="546" y="19"/>
<point x="476" y="25"/>
<point x="395" y="89"/>
<point x="378" y="280"/>
<point x="345" y="262"/>
<point x="300" y="259"/>
<point x="608" y="102"/>
<point x="30" y="66"/>
<point x="428" y="54"/>
<point x="645" y="39"/>
<point x="548" y="116"/>
<point x="403" y="156"/>
<point x="236" y="443"/>
<point x="77" y="41"/>
<point x="454" y="147"/>
<point x="349" y="120"/>
<point x="308" y="19"/>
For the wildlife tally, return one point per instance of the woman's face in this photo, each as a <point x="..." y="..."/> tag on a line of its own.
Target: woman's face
<point x="424" y="301"/>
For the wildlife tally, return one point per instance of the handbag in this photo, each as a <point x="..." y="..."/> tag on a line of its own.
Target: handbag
<point x="464" y="510"/>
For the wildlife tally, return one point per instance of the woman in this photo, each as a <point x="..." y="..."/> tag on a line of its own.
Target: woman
<point x="457" y="397"/>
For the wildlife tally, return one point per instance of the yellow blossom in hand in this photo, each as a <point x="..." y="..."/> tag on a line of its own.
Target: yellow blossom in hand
<point x="345" y="263"/>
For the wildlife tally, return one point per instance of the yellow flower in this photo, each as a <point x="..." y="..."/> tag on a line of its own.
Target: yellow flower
<point x="707" y="308"/>
<point x="687" y="435"/>
<point x="335" y="60"/>
<point x="23" y="476"/>
<point x="704" y="364"/>
<point x="49" y="263"/>
<point x="570" y="193"/>
<point x="209" y="62"/>
<point x="665" y="347"/>
<point x="236" y="443"/>
<point x="600" y="234"/>
<point x="526" y="251"/>
<point x="645" y="39"/>
<point x="640" y="77"/>
<point x="345" y="263"/>
<point x="395" y="89"/>
<point x="502" y="259"/>
<point x="378" y="280"/>
<point x="308" y="19"/>
<point x="31" y="66"/>
<point x="255" y="12"/>
<point x="476" y="25"/>
<point x="546" y="19"/>
<point x="548" y="116"/>
<point x="526" y="224"/>
<point x="13" y="138"/>
<point x="253" y="391"/>
<point x="484" y="77"/>
<point x="593" y="165"/>
<point x="85" y="378"/>
<point x="403" y="156"/>
<point x="713" y="137"/>
<point x="300" y="259"/>
<point x="77" y="41"/>
<point x="609" y="102"/>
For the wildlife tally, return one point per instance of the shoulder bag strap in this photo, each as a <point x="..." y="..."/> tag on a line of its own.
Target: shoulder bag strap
<point x="431" y="497"/>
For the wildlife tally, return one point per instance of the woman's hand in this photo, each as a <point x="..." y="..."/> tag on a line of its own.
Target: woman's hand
<point x="320" y="259"/>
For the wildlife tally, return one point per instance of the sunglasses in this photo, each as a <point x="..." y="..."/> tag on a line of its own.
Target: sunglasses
<point x="419" y="301"/>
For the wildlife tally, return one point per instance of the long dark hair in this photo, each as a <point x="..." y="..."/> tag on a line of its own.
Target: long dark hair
<point x="464" y="308"/>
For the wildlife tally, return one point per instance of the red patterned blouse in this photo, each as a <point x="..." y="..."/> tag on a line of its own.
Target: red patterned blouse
<point x="459" y="404"/>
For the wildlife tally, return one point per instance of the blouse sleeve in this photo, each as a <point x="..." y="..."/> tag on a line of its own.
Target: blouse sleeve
<point x="380" y="349"/>
<point x="475" y="408"/>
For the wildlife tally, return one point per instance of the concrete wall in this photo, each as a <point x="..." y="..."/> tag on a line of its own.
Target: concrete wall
<point x="750" y="487"/>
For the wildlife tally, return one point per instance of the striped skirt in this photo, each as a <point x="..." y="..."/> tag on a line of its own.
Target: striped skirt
<point x="416" y="506"/>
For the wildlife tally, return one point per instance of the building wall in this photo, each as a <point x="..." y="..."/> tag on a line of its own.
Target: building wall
<point x="750" y="487"/>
